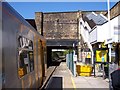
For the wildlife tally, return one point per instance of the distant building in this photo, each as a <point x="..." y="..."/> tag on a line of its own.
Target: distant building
<point x="90" y="24"/>
<point x="96" y="30"/>
<point x="32" y="22"/>
<point x="114" y="11"/>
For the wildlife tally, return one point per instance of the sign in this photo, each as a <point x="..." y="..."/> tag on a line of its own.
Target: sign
<point x="117" y="27"/>
<point x="88" y="55"/>
<point x="26" y="60"/>
<point x="117" y="30"/>
<point x="25" y="43"/>
<point x="101" y="55"/>
<point x="75" y="57"/>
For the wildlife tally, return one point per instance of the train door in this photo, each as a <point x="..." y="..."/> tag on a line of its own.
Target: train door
<point x="39" y="63"/>
<point x="36" y="59"/>
<point x="43" y="59"/>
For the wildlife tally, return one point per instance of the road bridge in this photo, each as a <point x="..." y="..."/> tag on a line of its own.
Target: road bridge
<point x="61" y="29"/>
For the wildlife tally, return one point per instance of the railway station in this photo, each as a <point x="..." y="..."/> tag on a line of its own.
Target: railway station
<point x="60" y="50"/>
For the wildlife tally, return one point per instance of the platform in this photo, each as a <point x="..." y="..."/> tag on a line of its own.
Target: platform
<point x="62" y="78"/>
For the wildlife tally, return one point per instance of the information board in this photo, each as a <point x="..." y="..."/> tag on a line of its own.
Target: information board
<point x="101" y="55"/>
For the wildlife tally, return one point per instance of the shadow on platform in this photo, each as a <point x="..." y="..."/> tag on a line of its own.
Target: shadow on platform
<point x="55" y="83"/>
<point x="55" y="63"/>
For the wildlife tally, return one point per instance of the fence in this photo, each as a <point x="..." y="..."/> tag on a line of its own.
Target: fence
<point x="70" y="62"/>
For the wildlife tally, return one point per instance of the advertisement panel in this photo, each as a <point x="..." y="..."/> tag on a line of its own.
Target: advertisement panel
<point x="101" y="55"/>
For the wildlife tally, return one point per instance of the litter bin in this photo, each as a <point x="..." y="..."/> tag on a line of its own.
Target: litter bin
<point x="84" y="70"/>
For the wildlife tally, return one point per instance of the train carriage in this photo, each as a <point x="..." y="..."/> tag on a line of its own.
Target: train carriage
<point x="22" y="51"/>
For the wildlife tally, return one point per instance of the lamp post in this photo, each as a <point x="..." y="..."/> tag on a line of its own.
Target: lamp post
<point x="109" y="43"/>
<point x="109" y="30"/>
<point x="108" y="7"/>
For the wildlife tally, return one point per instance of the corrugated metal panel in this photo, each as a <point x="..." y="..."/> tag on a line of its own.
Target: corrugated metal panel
<point x="97" y="18"/>
<point x="94" y="19"/>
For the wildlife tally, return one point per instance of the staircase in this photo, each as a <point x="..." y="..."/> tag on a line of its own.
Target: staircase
<point x="84" y="28"/>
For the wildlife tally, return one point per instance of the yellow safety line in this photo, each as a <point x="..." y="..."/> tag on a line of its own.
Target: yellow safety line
<point x="73" y="83"/>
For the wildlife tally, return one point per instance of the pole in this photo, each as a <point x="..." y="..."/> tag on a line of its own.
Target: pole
<point x="103" y="70"/>
<point x="109" y="28"/>
<point x="79" y="43"/>
<point x="108" y="4"/>
<point x="109" y="45"/>
<point x="79" y="36"/>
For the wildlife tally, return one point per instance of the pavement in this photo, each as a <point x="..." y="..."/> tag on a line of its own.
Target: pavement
<point x="90" y="82"/>
<point x="62" y="78"/>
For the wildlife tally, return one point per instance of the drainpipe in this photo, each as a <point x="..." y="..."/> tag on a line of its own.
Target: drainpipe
<point x="109" y="45"/>
<point x="79" y="37"/>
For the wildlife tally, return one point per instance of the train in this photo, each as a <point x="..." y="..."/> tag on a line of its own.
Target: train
<point x="22" y="51"/>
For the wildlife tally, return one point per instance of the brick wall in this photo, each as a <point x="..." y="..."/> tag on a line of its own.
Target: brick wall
<point x="114" y="11"/>
<point x="39" y="22"/>
<point x="59" y="25"/>
<point x="62" y="25"/>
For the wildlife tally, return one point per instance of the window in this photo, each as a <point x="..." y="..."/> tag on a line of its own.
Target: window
<point x="26" y="56"/>
<point x="113" y="54"/>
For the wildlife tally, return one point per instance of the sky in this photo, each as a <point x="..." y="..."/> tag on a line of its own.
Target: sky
<point x="28" y="9"/>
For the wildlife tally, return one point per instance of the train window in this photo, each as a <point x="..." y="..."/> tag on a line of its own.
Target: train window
<point x="113" y="54"/>
<point x="26" y="56"/>
<point x="25" y="43"/>
<point x="31" y="59"/>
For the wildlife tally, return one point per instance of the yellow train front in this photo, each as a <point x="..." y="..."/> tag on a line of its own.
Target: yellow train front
<point x="23" y="51"/>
